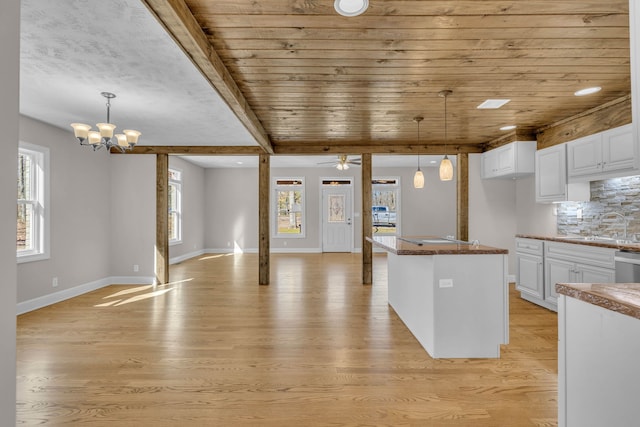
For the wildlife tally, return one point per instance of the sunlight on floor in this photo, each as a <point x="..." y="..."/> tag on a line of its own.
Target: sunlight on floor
<point x="155" y="293"/>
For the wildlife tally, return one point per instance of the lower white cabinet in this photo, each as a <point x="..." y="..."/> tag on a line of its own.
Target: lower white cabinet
<point x="541" y="264"/>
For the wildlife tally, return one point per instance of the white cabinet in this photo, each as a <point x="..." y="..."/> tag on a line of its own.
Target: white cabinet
<point x="529" y="267"/>
<point x="540" y="264"/>
<point x="573" y="263"/>
<point x="551" y="177"/>
<point x="509" y="161"/>
<point x="602" y="155"/>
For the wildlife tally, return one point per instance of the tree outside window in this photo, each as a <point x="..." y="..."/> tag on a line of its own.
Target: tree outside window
<point x="290" y="207"/>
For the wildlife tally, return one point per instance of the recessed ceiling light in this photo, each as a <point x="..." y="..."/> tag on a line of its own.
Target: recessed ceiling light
<point x="587" y="91"/>
<point x="351" y="7"/>
<point x="509" y="127"/>
<point x="492" y="104"/>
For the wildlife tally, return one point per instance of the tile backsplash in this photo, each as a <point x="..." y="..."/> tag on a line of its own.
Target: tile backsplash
<point x="595" y="218"/>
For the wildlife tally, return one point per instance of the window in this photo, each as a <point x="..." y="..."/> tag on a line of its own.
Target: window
<point x="385" y="206"/>
<point x="289" y="201"/>
<point x="175" y="206"/>
<point x="32" y="238"/>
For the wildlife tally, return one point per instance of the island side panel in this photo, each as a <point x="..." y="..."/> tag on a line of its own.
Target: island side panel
<point x="598" y="368"/>
<point x="410" y="294"/>
<point x="471" y="316"/>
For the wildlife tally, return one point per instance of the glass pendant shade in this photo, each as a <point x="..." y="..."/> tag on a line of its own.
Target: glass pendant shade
<point x="418" y="179"/>
<point x="132" y="136"/>
<point x="446" y="169"/>
<point x="94" y="137"/>
<point x="80" y="130"/>
<point x="106" y="130"/>
<point x="122" y="140"/>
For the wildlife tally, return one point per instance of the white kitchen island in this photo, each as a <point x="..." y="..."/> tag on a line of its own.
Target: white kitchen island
<point x="453" y="296"/>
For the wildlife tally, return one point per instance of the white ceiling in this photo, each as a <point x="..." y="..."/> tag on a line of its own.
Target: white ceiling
<point x="71" y="50"/>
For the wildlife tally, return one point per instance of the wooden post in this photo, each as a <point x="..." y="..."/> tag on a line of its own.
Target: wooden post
<point x="462" y="226"/>
<point x="162" y="219"/>
<point x="367" y="224"/>
<point x="263" y="218"/>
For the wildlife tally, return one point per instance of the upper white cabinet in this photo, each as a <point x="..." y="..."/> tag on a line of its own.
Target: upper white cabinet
<point x="551" y="177"/>
<point x="509" y="161"/>
<point x="602" y="155"/>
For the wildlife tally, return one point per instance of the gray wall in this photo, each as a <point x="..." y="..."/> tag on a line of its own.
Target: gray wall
<point x="133" y="215"/>
<point x="192" y="210"/>
<point x="431" y="210"/>
<point x="80" y="220"/>
<point x="9" y="107"/>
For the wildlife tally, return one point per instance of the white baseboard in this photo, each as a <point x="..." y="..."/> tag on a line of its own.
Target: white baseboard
<point x="511" y="278"/>
<point x="55" y="297"/>
<point x="185" y="257"/>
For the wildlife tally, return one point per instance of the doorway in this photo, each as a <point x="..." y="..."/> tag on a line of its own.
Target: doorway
<point x="337" y="215"/>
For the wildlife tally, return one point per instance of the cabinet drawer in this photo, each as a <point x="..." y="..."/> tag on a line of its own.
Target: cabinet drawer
<point x="529" y="246"/>
<point x="589" y="255"/>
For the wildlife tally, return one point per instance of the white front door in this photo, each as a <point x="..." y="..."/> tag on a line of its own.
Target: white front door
<point x="337" y="219"/>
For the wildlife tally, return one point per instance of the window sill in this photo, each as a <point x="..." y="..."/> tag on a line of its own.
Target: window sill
<point x="21" y="259"/>
<point x="175" y="242"/>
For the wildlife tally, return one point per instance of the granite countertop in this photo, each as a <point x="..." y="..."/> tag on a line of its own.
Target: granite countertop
<point x="622" y="298"/>
<point x="579" y="240"/>
<point x="408" y="245"/>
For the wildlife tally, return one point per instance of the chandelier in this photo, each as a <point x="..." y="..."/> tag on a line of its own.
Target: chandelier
<point x="104" y="136"/>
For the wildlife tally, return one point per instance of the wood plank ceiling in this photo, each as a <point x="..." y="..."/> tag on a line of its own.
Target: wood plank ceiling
<point x="306" y="80"/>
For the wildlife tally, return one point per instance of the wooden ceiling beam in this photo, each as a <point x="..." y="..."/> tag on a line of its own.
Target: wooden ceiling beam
<point x="342" y="148"/>
<point x="179" y="22"/>
<point x="194" y="150"/>
<point x="607" y="116"/>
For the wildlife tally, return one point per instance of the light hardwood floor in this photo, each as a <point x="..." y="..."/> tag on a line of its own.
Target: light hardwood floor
<point x="315" y="348"/>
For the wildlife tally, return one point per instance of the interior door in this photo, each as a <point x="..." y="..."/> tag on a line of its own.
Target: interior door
<point x="337" y="219"/>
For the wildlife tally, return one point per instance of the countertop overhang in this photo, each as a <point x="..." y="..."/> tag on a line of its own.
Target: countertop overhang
<point x="622" y="298"/>
<point x="407" y="245"/>
<point x="576" y="240"/>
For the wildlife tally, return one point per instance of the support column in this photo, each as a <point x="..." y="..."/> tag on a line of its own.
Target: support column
<point x="367" y="224"/>
<point x="264" y="174"/>
<point x="162" y="219"/>
<point x="462" y="226"/>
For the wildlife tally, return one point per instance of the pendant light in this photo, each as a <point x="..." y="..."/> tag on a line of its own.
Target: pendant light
<point x="418" y="177"/>
<point x="446" y="167"/>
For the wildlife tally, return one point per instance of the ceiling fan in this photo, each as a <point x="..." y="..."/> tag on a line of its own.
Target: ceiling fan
<point x="342" y="162"/>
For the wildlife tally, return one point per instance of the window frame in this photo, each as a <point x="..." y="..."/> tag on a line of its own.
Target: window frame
<point x="177" y="183"/>
<point x="41" y="190"/>
<point x="397" y="186"/>
<point x="303" y="208"/>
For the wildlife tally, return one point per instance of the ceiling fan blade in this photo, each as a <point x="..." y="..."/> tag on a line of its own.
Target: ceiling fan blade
<point x="332" y="162"/>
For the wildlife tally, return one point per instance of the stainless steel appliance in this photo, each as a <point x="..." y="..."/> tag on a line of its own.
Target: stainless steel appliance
<point x="627" y="267"/>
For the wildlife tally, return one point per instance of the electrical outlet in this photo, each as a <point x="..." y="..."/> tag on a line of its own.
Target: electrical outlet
<point x="446" y="283"/>
<point x="136" y="268"/>
<point x="54" y="282"/>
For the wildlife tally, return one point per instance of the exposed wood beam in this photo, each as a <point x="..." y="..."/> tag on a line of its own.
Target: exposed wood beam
<point x="263" y="219"/>
<point x="194" y="150"/>
<point x="462" y="221"/>
<point x="367" y="220"/>
<point x="162" y="219"/>
<point x="607" y="116"/>
<point x="180" y="23"/>
<point x="342" y="148"/>
<point x="516" y="135"/>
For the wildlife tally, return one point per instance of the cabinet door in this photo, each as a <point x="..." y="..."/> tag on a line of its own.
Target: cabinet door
<point x="489" y="164"/>
<point x="506" y="160"/>
<point x="556" y="271"/>
<point x="551" y="174"/>
<point x="588" y="274"/>
<point x="618" y="149"/>
<point x="584" y="156"/>
<point x="529" y="278"/>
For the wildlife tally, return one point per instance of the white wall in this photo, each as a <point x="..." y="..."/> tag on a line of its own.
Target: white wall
<point x="9" y="116"/>
<point x="533" y="218"/>
<point x="492" y="210"/>
<point x="192" y="210"/>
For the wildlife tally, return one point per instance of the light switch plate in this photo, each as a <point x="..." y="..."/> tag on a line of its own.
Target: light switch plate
<point x="446" y="283"/>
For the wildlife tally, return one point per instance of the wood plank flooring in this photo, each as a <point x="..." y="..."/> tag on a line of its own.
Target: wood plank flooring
<point x="314" y="348"/>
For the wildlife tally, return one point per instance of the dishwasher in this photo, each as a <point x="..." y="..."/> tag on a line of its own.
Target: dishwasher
<point x="627" y="267"/>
